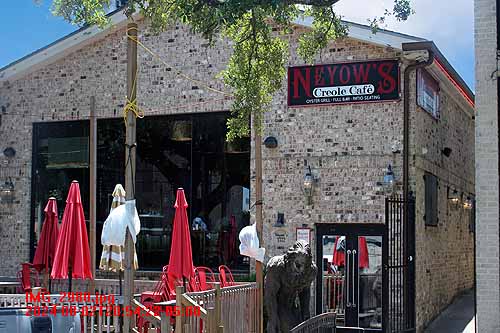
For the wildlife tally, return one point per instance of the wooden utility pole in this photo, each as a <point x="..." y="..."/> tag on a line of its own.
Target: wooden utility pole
<point x="258" y="219"/>
<point x="93" y="174"/>
<point x="130" y="150"/>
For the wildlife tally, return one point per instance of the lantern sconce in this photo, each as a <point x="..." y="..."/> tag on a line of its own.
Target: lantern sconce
<point x="454" y="197"/>
<point x="309" y="182"/>
<point x="467" y="204"/>
<point x="7" y="187"/>
<point x="7" y="191"/>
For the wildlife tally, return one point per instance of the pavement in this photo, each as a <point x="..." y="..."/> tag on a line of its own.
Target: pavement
<point x="458" y="317"/>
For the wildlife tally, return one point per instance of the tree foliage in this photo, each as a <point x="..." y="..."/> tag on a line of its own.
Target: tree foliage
<point x="257" y="66"/>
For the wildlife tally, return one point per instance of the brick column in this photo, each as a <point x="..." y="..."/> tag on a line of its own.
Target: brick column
<point x="487" y="169"/>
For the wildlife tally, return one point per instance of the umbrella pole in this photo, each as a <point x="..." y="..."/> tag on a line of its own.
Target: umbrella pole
<point x="120" y="282"/>
<point x="70" y="277"/>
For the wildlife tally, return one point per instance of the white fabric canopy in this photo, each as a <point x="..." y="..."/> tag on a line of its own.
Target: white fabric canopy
<point x="250" y="243"/>
<point x="115" y="226"/>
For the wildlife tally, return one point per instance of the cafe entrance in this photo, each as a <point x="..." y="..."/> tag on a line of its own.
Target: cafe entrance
<point x="367" y="272"/>
<point x="351" y="283"/>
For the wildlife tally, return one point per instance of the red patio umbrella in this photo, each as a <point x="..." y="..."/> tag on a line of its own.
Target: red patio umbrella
<point x="339" y="254"/>
<point x="180" y="264"/>
<point x="72" y="257"/>
<point x="46" y="248"/>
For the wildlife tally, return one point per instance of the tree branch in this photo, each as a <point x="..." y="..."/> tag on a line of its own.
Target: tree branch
<point x="318" y="3"/>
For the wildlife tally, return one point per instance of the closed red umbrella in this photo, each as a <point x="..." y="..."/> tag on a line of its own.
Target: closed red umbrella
<point x="46" y="248"/>
<point x="72" y="257"/>
<point x="180" y="264"/>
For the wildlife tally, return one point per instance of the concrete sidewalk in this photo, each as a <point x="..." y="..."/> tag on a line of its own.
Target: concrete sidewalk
<point x="458" y="317"/>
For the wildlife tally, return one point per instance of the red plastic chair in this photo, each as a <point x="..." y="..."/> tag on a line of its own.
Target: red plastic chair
<point x="162" y="292"/>
<point x="28" y="277"/>
<point x="225" y="276"/>
<point x="201" y="275"/>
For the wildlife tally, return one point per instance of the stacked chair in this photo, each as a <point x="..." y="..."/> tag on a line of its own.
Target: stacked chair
<point x="204" y="278"/>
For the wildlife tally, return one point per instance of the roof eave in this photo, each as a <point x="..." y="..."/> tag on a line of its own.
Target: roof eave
<point x="429" y="45"/>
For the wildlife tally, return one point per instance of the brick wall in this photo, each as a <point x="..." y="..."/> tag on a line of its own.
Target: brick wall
<point x="487" y="172"/>
<point x="444" y="253"/>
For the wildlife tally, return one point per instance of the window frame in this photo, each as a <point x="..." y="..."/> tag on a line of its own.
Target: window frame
<point x="425" y="79"/>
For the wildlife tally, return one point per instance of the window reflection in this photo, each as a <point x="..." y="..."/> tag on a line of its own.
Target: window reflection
<point x="188" y="152"/>
<point x="60" y="155"/>
<point x="172" y="151"/>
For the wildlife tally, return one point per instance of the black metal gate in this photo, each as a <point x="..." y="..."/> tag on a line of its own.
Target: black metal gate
<point x="399" y="269"/>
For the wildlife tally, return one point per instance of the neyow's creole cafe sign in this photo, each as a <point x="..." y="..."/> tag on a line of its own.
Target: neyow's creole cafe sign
<point x="369" y="81"/>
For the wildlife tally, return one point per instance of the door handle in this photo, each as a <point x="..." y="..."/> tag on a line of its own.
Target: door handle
<point x="348" y="301"/>
<point x="352" y="277"/>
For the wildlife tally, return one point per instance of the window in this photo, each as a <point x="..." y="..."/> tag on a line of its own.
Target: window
<point x="187" y="151"/>
<point x="431" y="198"/>
<point x="428" y="93"/>
<point x="60" y="155"/>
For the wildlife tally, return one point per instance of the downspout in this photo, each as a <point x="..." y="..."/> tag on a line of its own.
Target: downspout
<point x="406" y="157"/>
<point x="406" y="123"/>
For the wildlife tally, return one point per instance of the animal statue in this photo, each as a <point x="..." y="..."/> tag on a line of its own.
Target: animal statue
<point x="287" y="288"/>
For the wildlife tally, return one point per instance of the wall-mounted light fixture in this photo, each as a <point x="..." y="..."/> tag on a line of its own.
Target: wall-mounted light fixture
<point x="271" y="142"/>
<point x="7" y="187"/>
<point x="446" y="151"/>
<point x="454" y="197"/>
<point x="7" y="191"/>
<point x="467" y="204"/>
<point x="280" y="221"/>
<point x="9" y="152"/>
<point x="309" y="181"/>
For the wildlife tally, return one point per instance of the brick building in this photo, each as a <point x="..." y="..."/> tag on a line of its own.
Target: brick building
<point x="487" y="166"/>
<point x="348" y="146"/>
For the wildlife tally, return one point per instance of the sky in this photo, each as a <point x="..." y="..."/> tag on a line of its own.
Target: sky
<point x="27" y="27"/>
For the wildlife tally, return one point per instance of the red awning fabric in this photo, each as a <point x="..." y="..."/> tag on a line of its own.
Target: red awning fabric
<point x="46" y="248"/>
<point x="72" y="250"/>
<point x="181" y="254"/>
<point x="339" y="255"/>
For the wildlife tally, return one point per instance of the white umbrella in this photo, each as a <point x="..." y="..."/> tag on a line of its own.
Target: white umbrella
<point x="113" y="252"/>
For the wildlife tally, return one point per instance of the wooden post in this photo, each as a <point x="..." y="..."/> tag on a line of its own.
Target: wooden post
<point x="258" y="220"/>
<point x="218" y="308"/>
<point x="165" y="322"/>
<point x="92" y="206"/>
<point x="179" y="290"/>
<point x="130" y="140"/>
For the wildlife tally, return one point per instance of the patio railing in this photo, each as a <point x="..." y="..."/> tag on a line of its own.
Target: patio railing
<point x="231" y="309"/>
<point x="102" y="286"/>
<point x="99" y="321"/>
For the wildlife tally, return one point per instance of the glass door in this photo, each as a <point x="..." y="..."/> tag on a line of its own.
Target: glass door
<point x="350" y="283"/>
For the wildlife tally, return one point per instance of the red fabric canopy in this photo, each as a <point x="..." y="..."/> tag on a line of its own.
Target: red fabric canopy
<point x="72" y="250"/>
<point x="181" y="254"/>
<point x="339" y="255"/>
<point x="46" y="248"/>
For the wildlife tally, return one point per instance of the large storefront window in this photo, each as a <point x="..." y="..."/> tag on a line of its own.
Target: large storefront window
<point x="60" y="155"/>
<point x="172" y="152"/>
